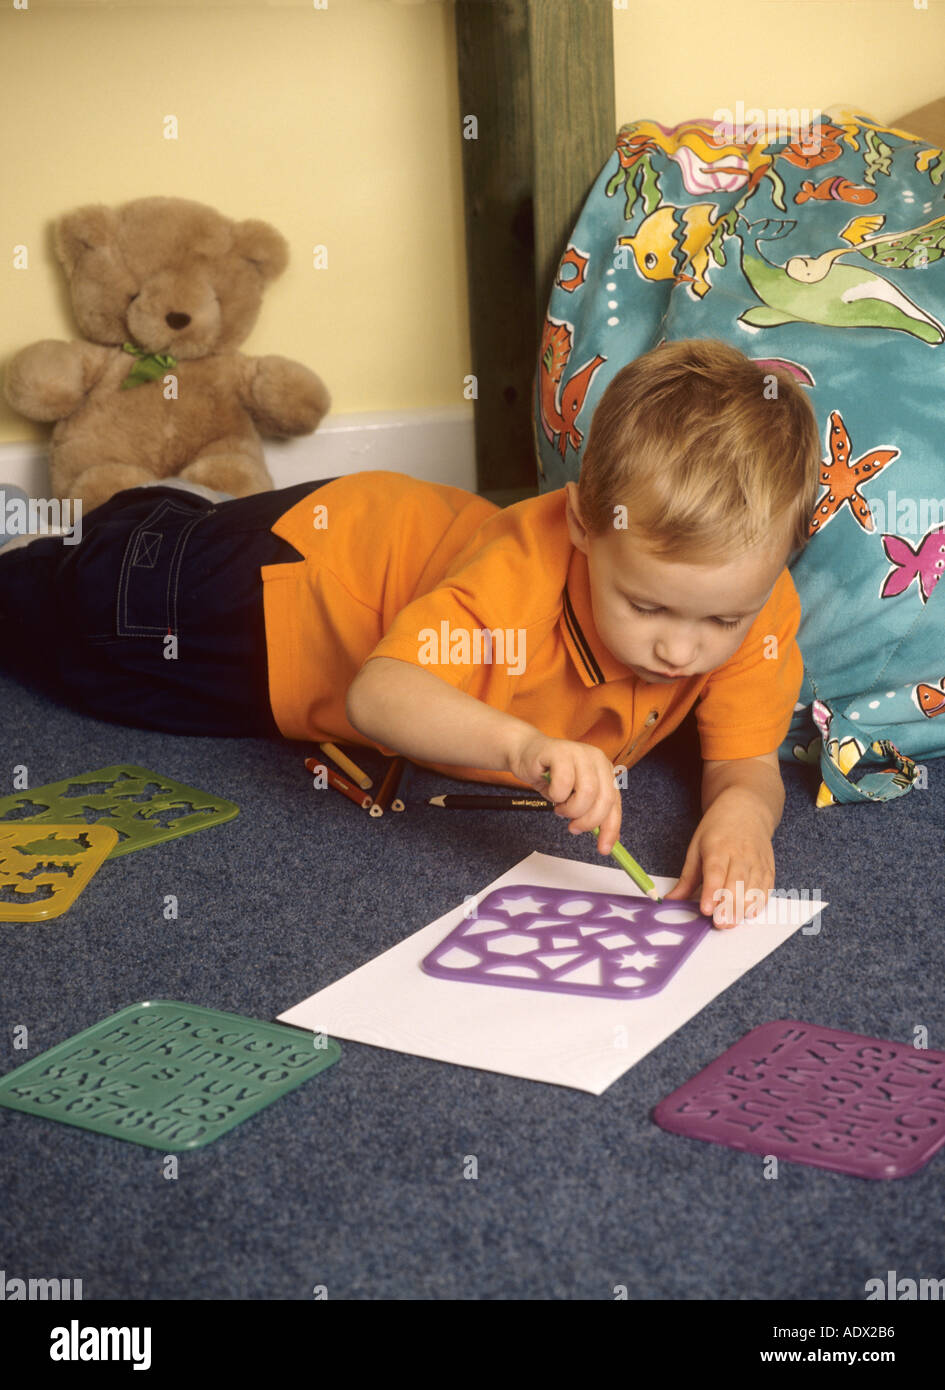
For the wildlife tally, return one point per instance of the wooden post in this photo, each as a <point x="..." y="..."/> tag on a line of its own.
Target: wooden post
<point x="536" y="87"/>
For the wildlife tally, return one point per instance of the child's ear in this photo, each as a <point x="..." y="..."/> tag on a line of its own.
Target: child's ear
<point x="576" y="528"/>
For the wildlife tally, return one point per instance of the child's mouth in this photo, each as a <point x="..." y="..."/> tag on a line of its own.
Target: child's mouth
<point x="661" y="675"/>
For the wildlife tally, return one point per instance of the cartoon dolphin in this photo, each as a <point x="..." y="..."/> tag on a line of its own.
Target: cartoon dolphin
<point x="840" y="296"/>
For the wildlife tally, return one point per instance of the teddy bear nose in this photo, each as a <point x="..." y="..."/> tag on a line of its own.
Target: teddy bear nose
<point x="177" y="320"/>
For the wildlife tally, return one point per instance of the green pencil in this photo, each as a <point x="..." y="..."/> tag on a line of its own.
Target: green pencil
<point x="628" y="864"/>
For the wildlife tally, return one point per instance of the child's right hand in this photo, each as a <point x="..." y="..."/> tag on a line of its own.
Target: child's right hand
<point x="581" y="783"/>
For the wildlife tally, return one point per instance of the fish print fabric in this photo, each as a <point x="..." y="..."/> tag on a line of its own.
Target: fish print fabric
<point x="822" y="254"/>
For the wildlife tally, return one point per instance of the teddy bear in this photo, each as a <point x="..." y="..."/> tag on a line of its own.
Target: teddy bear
<point x="163" y="291"/>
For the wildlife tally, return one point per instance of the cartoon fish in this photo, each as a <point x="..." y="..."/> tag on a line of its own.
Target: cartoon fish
<point x="836" y="187"/>
<point x="931" y="698"/>
<point x="926" y="563"/>
<point x="663" y="239"/>
<point x="561" y="402"/>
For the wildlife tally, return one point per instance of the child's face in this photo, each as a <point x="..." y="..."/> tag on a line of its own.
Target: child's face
<point x="693" y="618"/>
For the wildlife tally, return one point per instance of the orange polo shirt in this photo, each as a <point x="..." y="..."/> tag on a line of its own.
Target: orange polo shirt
<point x="433" y="575"/>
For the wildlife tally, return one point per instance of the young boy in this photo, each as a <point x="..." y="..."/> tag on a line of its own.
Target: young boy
<point x="565" y="634"/>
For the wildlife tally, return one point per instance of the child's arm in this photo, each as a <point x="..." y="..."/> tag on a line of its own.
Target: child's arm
<point x="742" y="801"/>
<point x="400" y="706"/>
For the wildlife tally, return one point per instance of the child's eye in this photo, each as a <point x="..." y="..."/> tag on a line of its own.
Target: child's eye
<point x="649" y="613"/>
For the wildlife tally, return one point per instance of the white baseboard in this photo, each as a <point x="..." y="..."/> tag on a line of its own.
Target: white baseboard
<point x="435" y="445"/>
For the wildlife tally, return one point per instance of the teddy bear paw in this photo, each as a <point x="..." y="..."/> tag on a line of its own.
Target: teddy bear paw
<point x="286" y="398"/>
<point x="46" y="381"/>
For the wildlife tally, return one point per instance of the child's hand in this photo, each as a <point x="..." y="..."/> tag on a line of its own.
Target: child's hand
<point x="728" y="848"/>
<point x="581" y="784"/>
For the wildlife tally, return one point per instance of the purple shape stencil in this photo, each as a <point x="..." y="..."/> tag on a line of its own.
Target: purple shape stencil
<point x="858" y="1105"/>
<point x="601" y="945"/>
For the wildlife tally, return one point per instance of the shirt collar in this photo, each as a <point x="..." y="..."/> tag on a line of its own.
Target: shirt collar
<point x="595" y="664"/>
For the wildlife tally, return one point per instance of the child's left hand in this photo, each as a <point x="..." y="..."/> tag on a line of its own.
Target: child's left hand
<point x="729" y="848"/>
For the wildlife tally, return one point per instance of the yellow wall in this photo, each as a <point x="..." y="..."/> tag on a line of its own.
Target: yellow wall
<point x="342" y="127"/>
<point x="883" y="57"/>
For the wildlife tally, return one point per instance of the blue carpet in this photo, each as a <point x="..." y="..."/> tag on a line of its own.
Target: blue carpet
<point x="355" y="1180"/>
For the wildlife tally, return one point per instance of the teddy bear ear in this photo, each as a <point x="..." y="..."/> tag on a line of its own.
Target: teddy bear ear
<point x="263" y="245"/>
<point x="83" y="230"/>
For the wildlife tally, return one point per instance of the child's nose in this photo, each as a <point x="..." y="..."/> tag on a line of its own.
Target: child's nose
<point x="676" y="653"/>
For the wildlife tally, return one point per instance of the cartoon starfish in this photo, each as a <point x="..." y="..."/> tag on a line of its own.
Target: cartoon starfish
<point x="842" y="479"/>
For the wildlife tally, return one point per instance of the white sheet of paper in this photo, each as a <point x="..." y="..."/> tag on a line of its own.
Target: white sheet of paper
<point x="564" y="1039"/>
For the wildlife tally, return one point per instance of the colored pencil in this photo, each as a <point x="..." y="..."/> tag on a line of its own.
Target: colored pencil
<point x="629" y="865"/>
<point x="340" y="784"/>
<point x="346" y="765"/>
<point x="461" y="802"/>
<point x="398" y="803"/>
<point x="386" y="790"/>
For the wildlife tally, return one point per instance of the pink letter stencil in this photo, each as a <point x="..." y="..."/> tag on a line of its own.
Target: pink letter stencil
<point x="858" y="1105"/>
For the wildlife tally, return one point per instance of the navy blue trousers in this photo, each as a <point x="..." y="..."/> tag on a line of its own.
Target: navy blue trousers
<point x="90" y="623"/>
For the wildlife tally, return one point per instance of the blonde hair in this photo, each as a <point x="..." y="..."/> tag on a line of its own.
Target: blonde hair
<point x="688" y="439"/>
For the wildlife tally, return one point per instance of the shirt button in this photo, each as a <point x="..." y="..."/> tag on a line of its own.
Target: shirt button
<point x="651" y="718"/>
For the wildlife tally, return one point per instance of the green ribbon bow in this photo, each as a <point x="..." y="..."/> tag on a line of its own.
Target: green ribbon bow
<point x="149" y="366"/>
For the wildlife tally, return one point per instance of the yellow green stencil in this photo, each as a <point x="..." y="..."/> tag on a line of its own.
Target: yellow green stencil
<point x="143" y="807"/>
<point x="43" y="869"/>
<point x="167" y="1075"/>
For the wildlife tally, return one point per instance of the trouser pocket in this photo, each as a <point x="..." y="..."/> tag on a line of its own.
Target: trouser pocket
<point x="149" y="579"/>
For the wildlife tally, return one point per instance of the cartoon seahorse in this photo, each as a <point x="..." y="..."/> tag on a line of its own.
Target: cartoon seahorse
<point x="560" y="401"/>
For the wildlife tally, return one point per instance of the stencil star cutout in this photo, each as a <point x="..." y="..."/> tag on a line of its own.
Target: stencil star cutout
<point x="638" y="961"/>
<point x="513" y="906"/>
<point x="842" y="479"/>
<point x="627" y="913"/>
